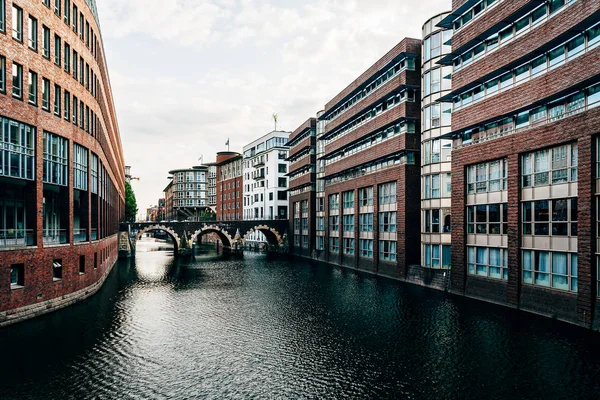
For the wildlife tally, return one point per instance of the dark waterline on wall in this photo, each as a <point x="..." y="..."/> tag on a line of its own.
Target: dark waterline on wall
<point x="263" y="327"/>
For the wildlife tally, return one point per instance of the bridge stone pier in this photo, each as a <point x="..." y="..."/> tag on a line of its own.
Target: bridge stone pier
<point x="185" y="234"/>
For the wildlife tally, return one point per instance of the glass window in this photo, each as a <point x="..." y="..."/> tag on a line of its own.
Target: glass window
<point x="32" y="38"/>
<point x="17" y="23"/>
<point x="55" y="159"/>
<point x="387" y="250"/>
<point x="556" y="57"/>
<point x="366" y="248"/>
<point x="593" y="96"/>
<point x="67" y="58"/>
<point x="555" y="5"/>
<point x="33" y="90"/>
<point x="522" y="120"/>
<point x="46" y="42"/>
<point x="538" y="65"/>
<point x="57" y="100"/>
<point x="575" y="47"/>
<point x="538" y="14"/>
<point x="506" y="80"/>
<point x="593" y="36"/>
<point x="387" y="193"/>
<point x="387" y="221"/>
<point x="17" y="149"/>
<point x="67" y="108"/>
<point x="17" y="80"/>
<point x="522" y="24"/>
<point x="2" y="74"/>
<point x="80" y="164"/>
<point x="348" y="199"/>
<point x="45" y="94"/>
<point x="3" y="15"/>
<point x="365" y="223"/>
<point x="57" y="50"/>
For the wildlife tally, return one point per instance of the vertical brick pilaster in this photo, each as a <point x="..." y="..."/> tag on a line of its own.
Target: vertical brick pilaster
<point x="340" y="257"/>
<point x="39" y="189"/>
<point x="89" y="197"/>
<point x="402" y="225"/>
<point x="585" y="222"/>
<point x="356" y="228"/>
<point x="376" y="228"/>
<point x="458" y="268"/>
<point x="70" y="194"/>
<point x="514" y="231"/>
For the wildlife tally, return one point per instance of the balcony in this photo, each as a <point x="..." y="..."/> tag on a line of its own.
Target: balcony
<point x="16" y="238"/>
<point x="55" y="236"/>
<point x="259" y="177"/>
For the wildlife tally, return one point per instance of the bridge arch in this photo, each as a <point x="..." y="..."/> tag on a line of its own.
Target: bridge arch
<point x="169" y="231"/>
<point x="274" y="238"/>
<point x="225" y="237"/>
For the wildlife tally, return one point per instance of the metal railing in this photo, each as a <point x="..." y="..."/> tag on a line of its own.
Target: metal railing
<point x="16" y="237"/>
<point x="498" y="133"/>
<point x="55" y="236"/>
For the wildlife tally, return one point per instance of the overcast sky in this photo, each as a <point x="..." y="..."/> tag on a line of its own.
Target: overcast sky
<point x="188" y="74"/>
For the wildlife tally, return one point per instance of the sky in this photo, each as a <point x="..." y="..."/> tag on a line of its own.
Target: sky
<point x="188" y="74"/>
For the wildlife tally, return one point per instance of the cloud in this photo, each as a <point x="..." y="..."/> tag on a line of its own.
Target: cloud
<point x="187" y="74"/>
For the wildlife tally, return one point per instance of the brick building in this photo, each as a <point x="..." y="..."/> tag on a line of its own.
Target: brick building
<point x="370" y="167"/>
<point x="302" y="191"/>
<point x="525" y="87"/>
<point x="62" y="172"/>
<point x="229" y="186"/>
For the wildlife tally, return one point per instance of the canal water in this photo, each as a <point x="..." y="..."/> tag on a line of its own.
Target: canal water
<point x="262" y="328"/>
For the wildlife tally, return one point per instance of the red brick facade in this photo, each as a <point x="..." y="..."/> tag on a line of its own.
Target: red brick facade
<point x="86" y="262"/>
<point x="579" y="127"/>
<point x="229" y="186"/>
<point x="394" y="128"/>
<point x="302" y="190"/>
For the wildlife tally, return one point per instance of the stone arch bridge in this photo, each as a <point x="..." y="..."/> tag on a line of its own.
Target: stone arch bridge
<point x="232" y="234"/>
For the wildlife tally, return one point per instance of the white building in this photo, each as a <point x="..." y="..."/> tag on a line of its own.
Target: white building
<point x="212" y="187"/>
<point x="265" y="180"/>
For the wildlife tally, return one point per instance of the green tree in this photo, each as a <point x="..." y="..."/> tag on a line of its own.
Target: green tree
<point x="131" y="208"/>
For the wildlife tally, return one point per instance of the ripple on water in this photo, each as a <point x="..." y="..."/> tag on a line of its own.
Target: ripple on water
<point x="220" y="328"/>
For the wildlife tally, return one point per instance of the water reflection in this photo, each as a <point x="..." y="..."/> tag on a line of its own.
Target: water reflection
<point x="263" y="327"/>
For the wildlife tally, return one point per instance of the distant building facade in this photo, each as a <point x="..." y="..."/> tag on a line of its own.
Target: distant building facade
<point x="212" y="187"/>
<point x="265" y="177"/>
<point x="370" y="167"/>
<point x="302" y="182"/>
<point x="189" y="189"/>
<point x="229" y="194"/>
